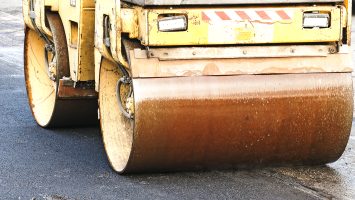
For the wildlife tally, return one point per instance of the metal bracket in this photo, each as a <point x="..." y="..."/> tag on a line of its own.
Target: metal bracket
<point x="274" y="51"/>
<point x="107" y="28"/>
<point x="73" y="3"/>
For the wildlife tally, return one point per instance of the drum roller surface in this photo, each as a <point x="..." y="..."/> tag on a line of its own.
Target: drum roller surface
<point x="218" y="122"/>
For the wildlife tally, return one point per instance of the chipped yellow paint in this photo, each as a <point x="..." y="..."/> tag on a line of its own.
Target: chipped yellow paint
<point x="197" y="32"/>
<point x="80" y="42"/>
<point x="141" y="23"/>
<point x="81" y="52"/>
<point x="201" y="32"/>
<point x="112" y="9"/>
<point x="129" y="19"/>
<point x="294" y="32"/>
<point x="40" y="19"/>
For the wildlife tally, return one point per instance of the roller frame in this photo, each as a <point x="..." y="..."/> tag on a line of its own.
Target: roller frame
<point x="52" y="110"/>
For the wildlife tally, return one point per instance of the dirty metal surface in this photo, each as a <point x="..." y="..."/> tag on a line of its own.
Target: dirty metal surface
<point x="37" y="163"/>
<point x="229" y="121"/>
<point x="67" y="91"/>
<point x="212" y="67"/>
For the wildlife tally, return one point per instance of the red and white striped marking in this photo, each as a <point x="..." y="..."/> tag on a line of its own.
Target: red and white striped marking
<point x="247" y="15"/>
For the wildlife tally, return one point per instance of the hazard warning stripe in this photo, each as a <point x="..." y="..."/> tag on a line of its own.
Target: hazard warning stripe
<point x="263" y="15"/>
<point x="247" y="15"/>
<point x="222" y="15"/>
<point x="283" y="14"/>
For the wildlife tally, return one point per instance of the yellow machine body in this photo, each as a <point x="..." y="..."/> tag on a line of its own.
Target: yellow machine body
<point x="242" y="84"/>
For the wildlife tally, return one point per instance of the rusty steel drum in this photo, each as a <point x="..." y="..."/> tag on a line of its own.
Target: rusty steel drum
<point x="48" y="109"/>
<point x="221" y="122"/>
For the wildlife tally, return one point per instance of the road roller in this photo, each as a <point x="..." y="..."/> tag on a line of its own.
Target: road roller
<point x="182" y="85"/>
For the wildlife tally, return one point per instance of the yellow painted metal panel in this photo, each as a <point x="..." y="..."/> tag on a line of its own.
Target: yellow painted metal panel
<point x="81" y="51"/>
<point x="244" y="26"/>
<point x="295" y="33"/>
<point x="86" y="69"/>
<point x="111" y="9"/>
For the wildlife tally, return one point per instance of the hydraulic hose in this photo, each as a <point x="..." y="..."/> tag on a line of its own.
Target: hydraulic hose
<point x="124" y="80"/>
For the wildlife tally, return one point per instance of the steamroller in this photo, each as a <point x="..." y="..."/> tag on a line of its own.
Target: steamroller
<point x="195" y="85"/>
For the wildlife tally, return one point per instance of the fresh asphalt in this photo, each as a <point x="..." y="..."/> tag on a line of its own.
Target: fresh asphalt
<point x="62" y="164"/>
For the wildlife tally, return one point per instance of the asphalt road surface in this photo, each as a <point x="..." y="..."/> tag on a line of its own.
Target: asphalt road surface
<point x="62" y="164"/>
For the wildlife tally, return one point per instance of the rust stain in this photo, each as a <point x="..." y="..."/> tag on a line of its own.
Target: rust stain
<point x="188" y="123"/>
<point x="69" y="92"/>
<point x="211" y="69"/>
